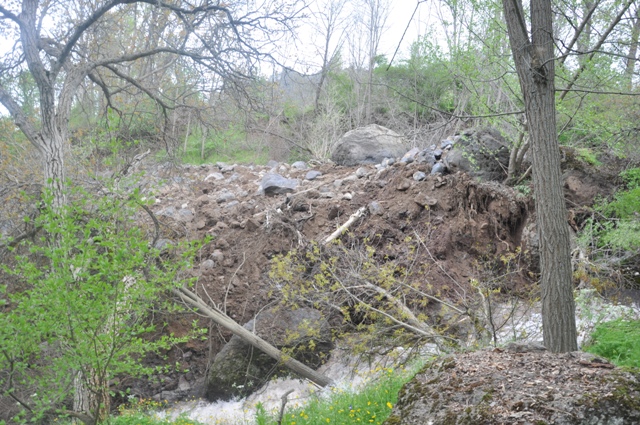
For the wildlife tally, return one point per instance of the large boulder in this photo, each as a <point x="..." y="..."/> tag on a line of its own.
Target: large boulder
<point x="520" y="384"/>
<point x="368" y="145"/>
<point x="482" y="153"/>
<point x="239" y="369"/>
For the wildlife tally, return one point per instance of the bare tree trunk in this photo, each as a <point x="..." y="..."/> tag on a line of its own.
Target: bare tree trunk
<point x="536" y="72"/>
<point x="633" y="50"/>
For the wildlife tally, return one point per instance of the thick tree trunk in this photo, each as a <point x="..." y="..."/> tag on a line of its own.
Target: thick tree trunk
<point x="535" y="67"/>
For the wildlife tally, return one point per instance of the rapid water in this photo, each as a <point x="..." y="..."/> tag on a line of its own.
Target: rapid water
<point x="513" y="321"/>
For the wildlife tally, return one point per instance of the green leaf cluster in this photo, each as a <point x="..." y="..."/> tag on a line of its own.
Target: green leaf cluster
<point x="79" y="299"/>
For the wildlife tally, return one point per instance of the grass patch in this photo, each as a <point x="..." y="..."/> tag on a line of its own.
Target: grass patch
<point x="370" y="406"/>
<point x="618" y="341"/>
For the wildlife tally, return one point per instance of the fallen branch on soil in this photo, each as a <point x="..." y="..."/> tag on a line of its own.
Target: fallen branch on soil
<point x="223" y="320"/>
<point x="356" y="215"/>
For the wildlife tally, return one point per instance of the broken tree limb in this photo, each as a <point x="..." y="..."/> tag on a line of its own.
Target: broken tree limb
<point x="356" y="215"/>
<point x="222" y="319"/>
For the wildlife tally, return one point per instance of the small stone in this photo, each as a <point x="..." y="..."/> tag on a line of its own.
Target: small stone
<point x="437" y="154"/>
<point x="347" y="196"/>
<point x="406" y="184"/>
<point x="313" y="174"/>
<point x="201" y="224"/>
<point x="275" y="184"/>
<point x="410" y="156"/>
<point x="217" y="256"/>
<point x="375" y="208"/>
<point x="438" y="168"/>
<point x="447" y="144"/>
<point x="419" y="176"/>
<point x="299" y="165"/>
<point x="207" y="264"/>
<point x="163" y="244"/>
<point x="225" y="196"/>
<point x="425" y="201"/>
<point x="214" y="176"/>
<point x="362" y="172"/>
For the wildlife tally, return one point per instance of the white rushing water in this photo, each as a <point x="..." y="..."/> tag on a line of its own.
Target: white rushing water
<point x="516" y="321"/>
<point x="349" y="373"/>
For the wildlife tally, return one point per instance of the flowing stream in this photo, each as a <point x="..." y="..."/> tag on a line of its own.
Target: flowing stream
<point x="513" y="321"/>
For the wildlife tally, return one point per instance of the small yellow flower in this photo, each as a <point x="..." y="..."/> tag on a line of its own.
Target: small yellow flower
<point x="389" y="405"/>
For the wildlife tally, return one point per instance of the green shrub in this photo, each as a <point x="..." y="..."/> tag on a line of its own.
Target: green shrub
<point x="79" y="298"/>
<point x="618" y="341"/>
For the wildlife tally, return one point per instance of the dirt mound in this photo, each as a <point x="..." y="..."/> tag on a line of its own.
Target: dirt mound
<point x="461" y="230"/>
<point x="523" y="384"/>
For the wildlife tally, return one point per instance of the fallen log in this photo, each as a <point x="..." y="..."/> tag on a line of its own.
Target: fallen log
<point x="192" y="299"/>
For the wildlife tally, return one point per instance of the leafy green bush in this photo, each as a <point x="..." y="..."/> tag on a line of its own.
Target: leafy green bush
<point x="618" y="341"/>
<point x="79" y="300"/>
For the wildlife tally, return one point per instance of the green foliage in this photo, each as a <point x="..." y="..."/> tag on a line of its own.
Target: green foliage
<point x="631" y="178"/>
<point x="224" y="145"/>
<point x="370" y="406"/>
<point x="79" y="299"/>
<point x="618" y="341"/>
<point x="588" y="156"/>
<point x="620" y="228"/>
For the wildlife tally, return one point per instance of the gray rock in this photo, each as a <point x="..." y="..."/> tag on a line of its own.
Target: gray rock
<point x="410" y="156"/>
<point x="214" y="176"/>
<point x="232" y="203"/>
<point x="312" y="175"/>
<point x="185" y="214"/>
<point x="437" y="154"/>
<point x="426" y="157"/>
<point x="207" y="264"/>
<point x="238" y="369"/>
<point x="419" y="176"/>
<point x="482" y="153"/>
<point x="225" y="196"/>
<point x="375" y="208"/>
<point x="362" y="172"/>
<point x="167" y="212"/>
<point x="438" y="168"/>
<point x="446" y="144"/>
<point x="368" y="145"/>
<point x="163" y="244"/>
<point x="299" y="165"/>
<point x="275" y="184"/>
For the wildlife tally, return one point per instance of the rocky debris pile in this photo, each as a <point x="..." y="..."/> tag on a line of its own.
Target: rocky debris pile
<point x="521" y="384"/>
<point x="480" y="152"/>
<point x="254" y="212"/>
